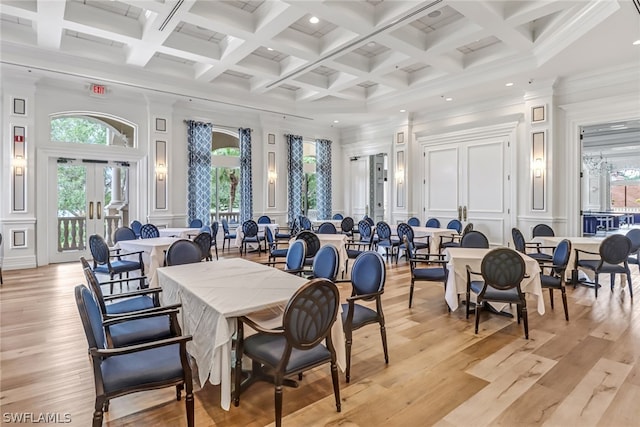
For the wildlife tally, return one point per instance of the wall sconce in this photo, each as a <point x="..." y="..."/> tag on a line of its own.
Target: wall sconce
<point x="161" y="171"/>
<point x="272" y="176"/>
<point x="538" y="166"/>
<point x="19" y="163"/>
<point x="400" y="176"/>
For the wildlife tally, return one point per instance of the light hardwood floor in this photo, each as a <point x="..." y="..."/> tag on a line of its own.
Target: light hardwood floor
<point x="581" y="372"/>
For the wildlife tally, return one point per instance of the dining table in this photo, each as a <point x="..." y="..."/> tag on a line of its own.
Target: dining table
<point x="240" y="234"/>
<point x="153" y="251"/>
<point x="340" y="242"/>
<point x="181" y="232"/>
<point x="434" y="234"/>
<point x="589" y="244"/>
<point x="213" y="295"/>
<point x="459" y="258"/>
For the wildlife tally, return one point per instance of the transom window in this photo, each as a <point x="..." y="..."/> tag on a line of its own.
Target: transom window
<point x="92" y="129"/>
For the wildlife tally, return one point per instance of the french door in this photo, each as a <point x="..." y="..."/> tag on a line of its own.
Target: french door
<point x="469" y="181"/>
<point x="91" y="197"/>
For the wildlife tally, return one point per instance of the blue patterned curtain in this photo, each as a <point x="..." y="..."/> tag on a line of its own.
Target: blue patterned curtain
<point x="296" y="176"/>
<point x="246" y="192"/>
<point x="199" y="172"/>
<point x="323" y="178"/>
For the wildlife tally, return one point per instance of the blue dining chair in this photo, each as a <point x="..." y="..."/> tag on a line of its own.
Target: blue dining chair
<point x="413" y="221"/>
<point x="337" y="216"/>
<point x="432" y="223"/>
<point x="228" y="236"/>
<point x="195" y="223"/>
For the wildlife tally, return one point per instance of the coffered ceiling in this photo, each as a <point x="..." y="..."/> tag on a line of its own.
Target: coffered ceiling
<point x="362" y="59"/>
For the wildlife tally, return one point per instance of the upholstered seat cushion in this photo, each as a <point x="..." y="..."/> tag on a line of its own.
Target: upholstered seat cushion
<point x="139" y="331"/>
<point x="592" y="264"/>
<point x="450" y="245"/>
<point x="353" y="253"/>
<point x="550" y="281"/>
<point x="279" y="253"/>
<point x="269" y="348"/>
<point x="129" y="305"/>
<point x="540" y="256"/>
<point x="435" y="274"/>
<point x="283" y="236"/>
<point x="118" y="266"/>
<point x="361" y="315"/>
<point x="494" y="294"/>
<point x="142" y="368"/>
<point x="253" y="239"/>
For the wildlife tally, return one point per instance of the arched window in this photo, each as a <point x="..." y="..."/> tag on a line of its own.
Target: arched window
<point x="91" y="128"/>
<point x="225" y="176"/>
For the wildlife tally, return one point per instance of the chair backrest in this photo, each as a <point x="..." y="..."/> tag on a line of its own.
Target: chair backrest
<point x="502" y="268"/>
<point x="205" y="229"/>
<point x="203" y="240"/>
<point x="149" y="231"/>
<point x="474" y="239"/>
<point x="561" y="256"/>
<point x="383" y="230"/>
<point x="90" y="316"/>
<point x="183" y="251"/>
<point x="93" y="283"/>
<point x="432" y="223"/>
<point x="310" y="313"/>
<point x="615" y="249"/>
<point x="296" y="254"/>
<point x="405" y="229"/>
<point x="467" y="228"/>
<point x="264" y="219"/>
<point x="632" y="235"/>
<point x="99" y="249"/>
<point x="123" y="233"/>
<point x="370" y="221"/>
<point x="312" y="241"/>
<point x="214" y="231"/>
<point x="347" y="225"/>
<point x="410" y="248"/>
<point x="543" y="230"/>
<point x="225" y="226"/>
<point x="305" y="223"/>
<point x="368" y="273"/>
<point x="413" y="221"/>
<point x="250" y="228"/>
<point x="518" y="240"/>
<point x="327" y="228"/>
<point x="454" y="224"/>
<point x="326" y="263"/>
<point x="136" y="226"/>
<point x="364" y="229"/>
<point x="269" y="236"/>
<point x="195" y="223"/>
<point x="337" y="216"/>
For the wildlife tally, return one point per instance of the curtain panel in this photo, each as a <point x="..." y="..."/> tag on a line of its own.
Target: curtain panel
<point x="246" y="186"/>
<point x="199" y="171"/>
<point x="295" y="178"/>
<point x="323" y="178"/>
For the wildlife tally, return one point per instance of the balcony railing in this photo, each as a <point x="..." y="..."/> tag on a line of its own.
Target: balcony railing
<point x="72" y="232"/>
<point x="231" y="217"/>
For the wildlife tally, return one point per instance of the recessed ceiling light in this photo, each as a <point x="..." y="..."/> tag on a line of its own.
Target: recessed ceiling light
<point x="509" y="84"/>
<point x="636" y="43"/>
<point x="314" y="20"/>
<point x="434" y="14"/>
<point x="336" y="121"/>
<point x="403" y="111"/>
<point x="270" y="49"/>
<point x="448" y="99"/>
<point x="371" y="44"/>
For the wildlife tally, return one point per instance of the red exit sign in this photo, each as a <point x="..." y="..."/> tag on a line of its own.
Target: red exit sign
<point x="99" y="90"/>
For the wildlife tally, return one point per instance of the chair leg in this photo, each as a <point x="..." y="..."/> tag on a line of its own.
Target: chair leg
<point x="216" y="246"/>
<point x="179" y="388"/>
<point x="278" y="400"/>
<point x="468" y="302"/>
<point x="336" y="385"/>
<point x="411" y="293"/>
<point x="612" y="280"/>
<point x="525" y="318"/>
<point x="597" y="285"/>
<point x="189" y="404"/>
<point x="564" y="303"/>
<point x="98" y="414"/>
<point x="348" y="342"/>
<point x="629" y="282"/>
<point x="383" y="333"/>
<point x="551" y="297"/>
<point x="477" y="315"/>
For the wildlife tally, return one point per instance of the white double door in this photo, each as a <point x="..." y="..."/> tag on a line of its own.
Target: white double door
<point x="470" y="181"/>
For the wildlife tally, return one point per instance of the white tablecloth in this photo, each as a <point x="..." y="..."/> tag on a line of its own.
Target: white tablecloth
<point x="181" y="232"/>
<point x="459" y="258"/>
<point x="591" y="244"/>
<point x="337" y="240"/>
<point x="434" y="234"/>
<point x="213" y="294"/>
<point x="261" y="227"/>
<point x="336" y="222"/>
<point x="153" y="255"/>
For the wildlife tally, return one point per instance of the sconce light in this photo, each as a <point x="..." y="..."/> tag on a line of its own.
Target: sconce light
<point x="400" y="176"/>
<point x="19" y="163"/>
<point x="537" y="167"/>
<point x="272" y="176"/>
<point x="161" y="171"/>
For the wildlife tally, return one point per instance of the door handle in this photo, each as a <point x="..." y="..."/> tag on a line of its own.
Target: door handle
<point x="99" y="210"/>
<point x="90" y="210"/>
<point x="464" y="214"/>
<point x="459" y="213"/>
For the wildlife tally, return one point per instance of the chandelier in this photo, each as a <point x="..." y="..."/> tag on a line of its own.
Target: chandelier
<point x="596" y="164"/>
